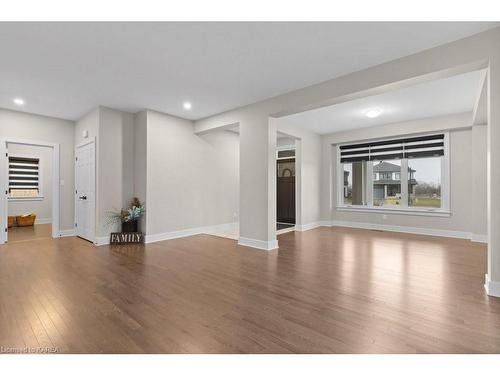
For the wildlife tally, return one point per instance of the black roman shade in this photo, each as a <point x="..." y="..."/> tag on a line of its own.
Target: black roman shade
<point x="414" y="147"/>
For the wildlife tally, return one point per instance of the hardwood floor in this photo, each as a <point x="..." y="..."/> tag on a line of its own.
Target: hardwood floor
<point x="327" y="290"/>
<point x="36" y="231"/>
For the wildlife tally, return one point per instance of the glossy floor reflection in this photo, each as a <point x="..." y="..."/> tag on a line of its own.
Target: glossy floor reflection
<point x="33" y="232"/>
<point x="327" y="290"/>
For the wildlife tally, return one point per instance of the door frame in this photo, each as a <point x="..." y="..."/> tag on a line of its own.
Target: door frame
<point x="93" y="216"/>
<point x="297" y="146"/>
<point x="4" y="172"/>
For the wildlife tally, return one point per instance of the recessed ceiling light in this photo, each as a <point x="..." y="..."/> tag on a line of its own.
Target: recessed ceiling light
<point x="18" y="101"/>
<point x="373" y="112"/>
<point x="187" y="106"/>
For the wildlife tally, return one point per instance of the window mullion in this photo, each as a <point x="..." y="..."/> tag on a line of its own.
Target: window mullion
<point x="404" y="183"/>
<point x="369" y="183"/>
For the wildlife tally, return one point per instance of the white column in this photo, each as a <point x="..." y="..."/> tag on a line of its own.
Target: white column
<point x="493" y="151"/>
<point x="257" y="183"/>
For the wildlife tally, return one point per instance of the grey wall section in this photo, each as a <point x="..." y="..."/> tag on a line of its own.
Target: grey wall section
<point x="42" y="208"/>
<point x="128" y="160"/>
<point x="89" y="123"/>
<point x="115" y="179"/>
<point x="192" y="180"/>
<point x="478" y="177"/>
<point x="34" y="127"/>
<point x="140" y="162"/>
<point x="285" y="142"/>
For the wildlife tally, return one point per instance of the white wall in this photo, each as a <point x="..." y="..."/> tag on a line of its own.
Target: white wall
<point x="41" y="207"/>
<point x="34" y="127"/>
<point x="192" y="180"/>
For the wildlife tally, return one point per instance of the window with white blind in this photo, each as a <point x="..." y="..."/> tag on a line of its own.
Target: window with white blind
<point x="402" y="174"/>
<point x="24" y="177"/>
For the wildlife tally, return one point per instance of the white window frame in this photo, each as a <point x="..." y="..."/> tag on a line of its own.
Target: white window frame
<point x="403" y="208"/>
<point x="286" y="148"/>
<point x="40" y="195"/>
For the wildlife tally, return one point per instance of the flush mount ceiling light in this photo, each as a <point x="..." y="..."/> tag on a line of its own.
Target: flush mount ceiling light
<point x="18" y="101"/>
<point x="187" y="106"/>
<point x="373" y="112"/>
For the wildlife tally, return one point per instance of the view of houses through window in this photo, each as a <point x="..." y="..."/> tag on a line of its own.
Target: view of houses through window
<point x="423" y="180"/>
<point x="424" y="190"/>
<point x="387" y="183"/>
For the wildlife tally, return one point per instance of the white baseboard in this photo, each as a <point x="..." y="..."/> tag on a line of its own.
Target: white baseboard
<point x="402" y="229"/>
<point x="286" y="230"/>
<point x="67" y="233"/>
<point x="258" y="244"/>
<point x="483" y="238"/>
<point x="46" y="220"/>
<point x="492" y="287"/>
<point x="412" y="230"/>
<point x="189" y="232"/>
<point x="304" y="227"/>
<point x="326" y="223"/>
<point x="101" y="241"/>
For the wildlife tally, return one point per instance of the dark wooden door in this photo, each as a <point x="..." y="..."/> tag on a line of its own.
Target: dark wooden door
<point x="286" y="199"/>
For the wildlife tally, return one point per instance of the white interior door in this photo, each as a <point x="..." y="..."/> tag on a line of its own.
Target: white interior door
<point x="85" y="191"/>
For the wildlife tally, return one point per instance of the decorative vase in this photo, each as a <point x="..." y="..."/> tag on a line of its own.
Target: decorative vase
<point x="130" y="226"/>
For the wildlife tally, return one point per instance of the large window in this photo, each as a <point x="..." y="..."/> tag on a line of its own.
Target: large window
<point x="408" y="174"/>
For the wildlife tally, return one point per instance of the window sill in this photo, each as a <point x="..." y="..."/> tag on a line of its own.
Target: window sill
<point x="396" y="211"/>
<point x="27" y="199"/>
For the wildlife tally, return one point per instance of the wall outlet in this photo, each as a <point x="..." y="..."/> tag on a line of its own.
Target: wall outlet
<point x="384" y="217"/>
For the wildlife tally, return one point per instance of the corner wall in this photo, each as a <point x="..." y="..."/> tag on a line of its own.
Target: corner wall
<point x="192" y="180"/>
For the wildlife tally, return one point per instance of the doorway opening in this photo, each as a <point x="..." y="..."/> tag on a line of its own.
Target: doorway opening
<point x="285" y="185"/>
<point x="29" y="209"/>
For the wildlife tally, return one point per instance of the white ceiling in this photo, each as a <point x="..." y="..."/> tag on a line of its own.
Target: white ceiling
<point x="66" y="69"/>
<point x="456" y="94"/>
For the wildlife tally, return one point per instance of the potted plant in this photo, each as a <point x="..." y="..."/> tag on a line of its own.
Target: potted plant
<point x="128" y="217"/>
